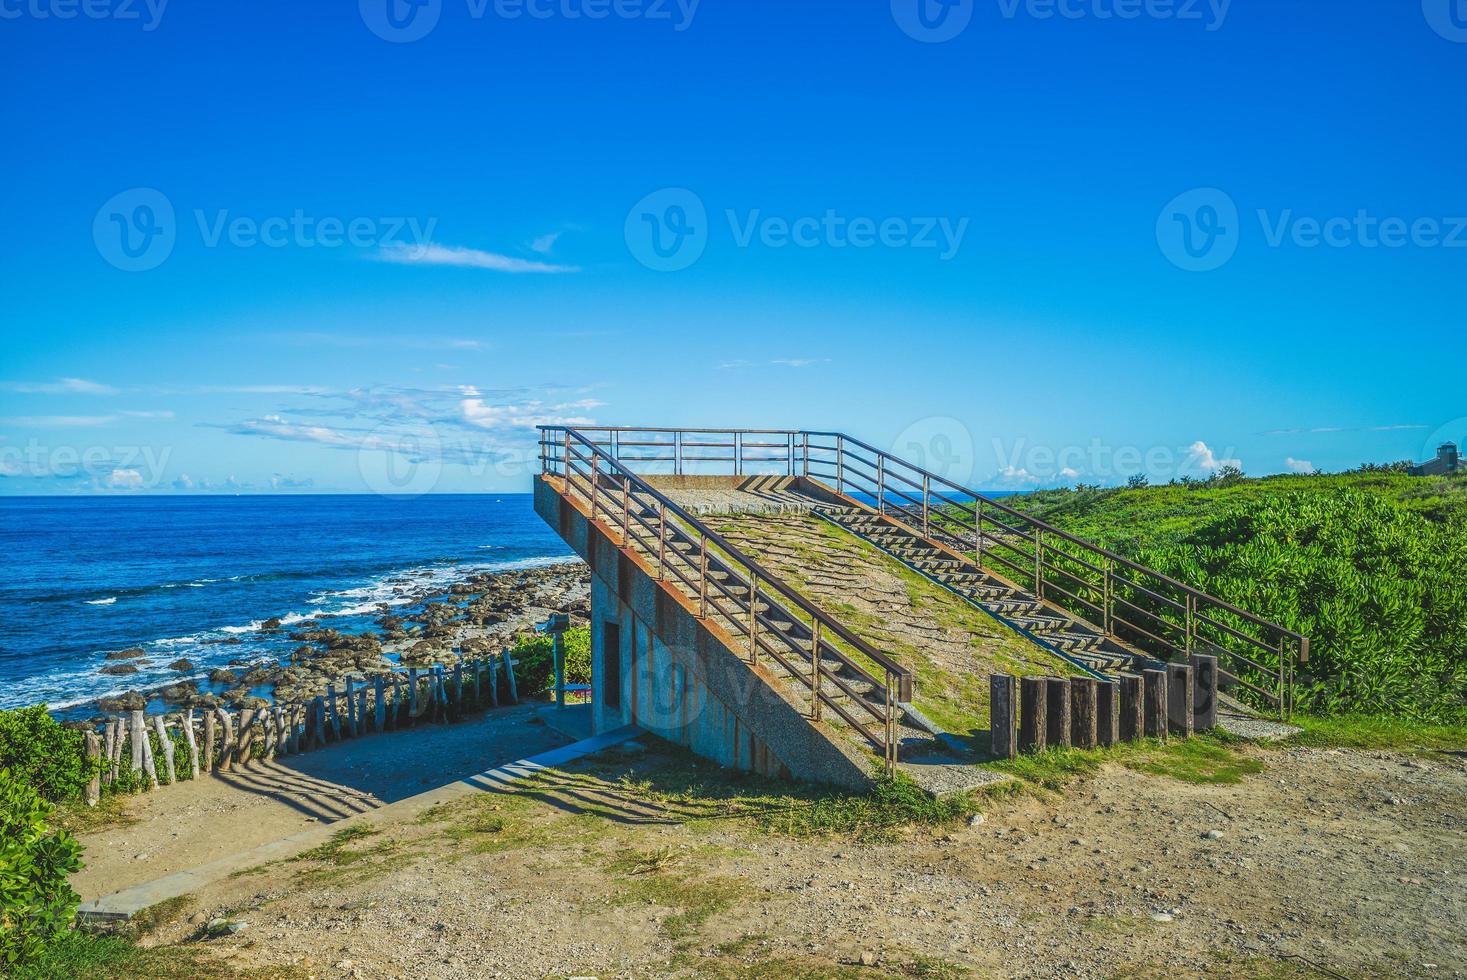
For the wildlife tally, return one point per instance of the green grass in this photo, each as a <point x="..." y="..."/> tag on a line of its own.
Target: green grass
<point x="693" y="898"/>
<point x="160" y="914"/>
<point x="1374" y="732"/>
<point x="84" y="956"/>
<point x="1207" y="759"/>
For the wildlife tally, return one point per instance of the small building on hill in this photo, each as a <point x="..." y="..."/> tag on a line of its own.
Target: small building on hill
<point x="1447" y="461"/>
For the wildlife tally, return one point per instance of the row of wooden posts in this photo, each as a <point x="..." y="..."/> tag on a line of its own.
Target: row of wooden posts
<point x="1035" y="713"/>
<point x="218" y="740"/>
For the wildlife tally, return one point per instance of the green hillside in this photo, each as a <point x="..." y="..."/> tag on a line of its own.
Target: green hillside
<point x="1372" y="566"/>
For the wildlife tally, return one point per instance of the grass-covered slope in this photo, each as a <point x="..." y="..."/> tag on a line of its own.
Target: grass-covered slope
<point x="1371" y="566"/>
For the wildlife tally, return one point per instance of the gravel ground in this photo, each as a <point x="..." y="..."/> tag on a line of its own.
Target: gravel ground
<point x="1325" y="863"/>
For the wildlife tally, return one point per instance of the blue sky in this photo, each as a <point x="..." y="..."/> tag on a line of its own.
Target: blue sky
<point x="1046" y="233"/>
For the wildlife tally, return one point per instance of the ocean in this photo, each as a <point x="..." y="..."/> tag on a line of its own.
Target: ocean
<point x="185" y="577"/>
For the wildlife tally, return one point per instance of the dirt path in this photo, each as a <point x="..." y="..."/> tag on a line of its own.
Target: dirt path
<point x="183" y="826"/>
<point x="1342" y="861"/>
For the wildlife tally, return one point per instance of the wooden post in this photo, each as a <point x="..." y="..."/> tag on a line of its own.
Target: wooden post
<point x="1133" y="710"/>
<point x="1084" y="717"/>
<point x="210" y="723"/>
<point x="394" y="707"/>
<point x="412" y="682"/>
<point x="1003" y="713"/>
<point x="267" y="727"/>
<point x="1057" y="712"/>
<point x="1033" y="693"/>
<point x="335" y="719"/>
<point x="165" y="744"/>
<point x="93" y="746"/>
<point x="1107" y="714"/>
<point x="1155" y="701"/>
<point x="245" y="740"/>
<point x="109" y="733"/>
<point x="379" y="709"/>
<point x="226" y="740"/>
<point x="143" y="745"/>
<point x="138" y="736"/>
<point x="458" y="691"/>
<point x="1179" y="699"/>
<point x="1204" y="692"/>
<point x="478" y="666"/>
<point x="362" y="707"/>
<point x="117" y="747"/>
<point x="493" y="681"/>
<point x="193" y="745"/>
<point x="351" y="708"/>
<point x="514" y="694"/>
<point x="308" y="736"/>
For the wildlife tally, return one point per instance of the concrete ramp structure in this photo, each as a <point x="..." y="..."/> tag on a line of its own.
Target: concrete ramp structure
<point x="800" y="604"/>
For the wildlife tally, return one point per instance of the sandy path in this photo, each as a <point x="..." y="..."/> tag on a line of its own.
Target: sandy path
<point x="183" y="826"/>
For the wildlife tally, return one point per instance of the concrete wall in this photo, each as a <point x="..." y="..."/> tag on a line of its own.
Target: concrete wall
<point x="681" y="679"/>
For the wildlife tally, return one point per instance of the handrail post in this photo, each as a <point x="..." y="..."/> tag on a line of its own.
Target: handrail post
<point x="815" y="668"/>
<point x="1108" y="592"/>
<point x="978" y="532"/>
<point x="806" y="454"/>
<point x="1191" y="621"/>
<point x="840" y="464"/>
<point x="926" y="504"/>
<point x="1283" y="682"/>
<point x="1039" y="563"/>
<point x="677" y="453"/>
<point x="890" y="726"/>
<point x="626" y="510"/>
<point x="595" y="484"/>
<point x="738" y="455"/>
<point x="753" y="618"/>
<point x="661" y="541"/>
<point x="881" y="483"/>
<point x="566" y="460"/>
<point x="703" y="578"/>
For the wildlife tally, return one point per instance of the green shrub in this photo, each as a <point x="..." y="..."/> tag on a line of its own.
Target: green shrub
<point x="37" y="749"/>
<point x="535" y="661"/>
<point x="36" y="902"/>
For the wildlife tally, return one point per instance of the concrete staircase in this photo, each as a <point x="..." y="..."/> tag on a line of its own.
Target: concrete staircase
<point x="1078" y="641"/>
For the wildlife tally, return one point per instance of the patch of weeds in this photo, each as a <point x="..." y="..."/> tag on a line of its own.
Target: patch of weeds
<point x="645" y="862"/>
<point x="694" y="900"/>
<point x="1201" y="760"/>
<point x="338" y="849"/>
<point x="78" y="955"/>
<point x="486" y="824"/>
<point x="338" y="859"/>
<point x="149" y="920"/>
<point x="109" y="813"/>
<point x="1118" y="925"/>
<point x="873" y="816"/>
<point x="934" y="968"/>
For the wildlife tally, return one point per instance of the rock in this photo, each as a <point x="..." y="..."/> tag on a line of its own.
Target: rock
<point x="119" y="669"/>
<point x="131" y="653"/>
<point x="1161" y="917"/>
<point x="976" y="820"/>
<point x="129" y="701"/>
<point x="869" y="958"/>
<point x="273" y="623"/>
<point x="181" y="665"/>
<point x="180" y="693"/>
<point x="198" y="918"/>
<point x="1212" y="835"/>
<point x="221" y="676"/>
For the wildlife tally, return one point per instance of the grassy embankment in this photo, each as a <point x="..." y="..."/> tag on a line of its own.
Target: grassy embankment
<point x="1372" y="566"/>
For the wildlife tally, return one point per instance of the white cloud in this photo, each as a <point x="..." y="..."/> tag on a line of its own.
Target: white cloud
<point x="1206" y="460"/>
<point x="149" y="415"/>
<point x="1299" y="465"/>
<point x="1069" y="473"/>
<point x="184" y="482"/>
<point x="467" y="258"/>
<point x="545" y="243"/>
<point x="124" y="479"/>
<point x="799" y="362"/>
<point x="65" y="386"/>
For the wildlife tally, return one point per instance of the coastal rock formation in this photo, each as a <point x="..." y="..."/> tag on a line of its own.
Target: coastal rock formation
<point x="119" y="669"/>
<point x="131" y="653"/>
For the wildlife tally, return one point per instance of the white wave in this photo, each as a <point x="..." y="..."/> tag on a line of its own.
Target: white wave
<point x="102" y="602"/>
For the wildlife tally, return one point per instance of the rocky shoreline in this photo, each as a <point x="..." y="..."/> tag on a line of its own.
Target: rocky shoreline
<point x="428" y="623"/>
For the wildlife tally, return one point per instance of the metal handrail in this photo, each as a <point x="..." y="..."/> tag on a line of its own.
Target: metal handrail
<point x="559" y="459"/>
<point x="930" y="508"/>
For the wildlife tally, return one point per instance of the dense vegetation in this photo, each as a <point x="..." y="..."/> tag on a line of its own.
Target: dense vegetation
<point x="43" y="753"/>
<point x="36" y="902"/>
<point x="1371" y="565"/>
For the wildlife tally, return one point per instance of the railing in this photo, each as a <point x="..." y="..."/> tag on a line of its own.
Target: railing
<point x="1138" y="606"/>
<point x="766" y="617"/>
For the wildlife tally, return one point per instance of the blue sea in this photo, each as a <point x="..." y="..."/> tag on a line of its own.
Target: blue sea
<point x="88" y="575"/>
